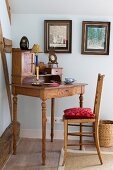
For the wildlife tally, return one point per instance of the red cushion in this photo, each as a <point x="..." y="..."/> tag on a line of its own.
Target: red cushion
<point x="78" y="113"/>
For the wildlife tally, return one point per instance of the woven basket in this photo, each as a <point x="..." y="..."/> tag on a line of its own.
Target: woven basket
<point x="106" y="133"/>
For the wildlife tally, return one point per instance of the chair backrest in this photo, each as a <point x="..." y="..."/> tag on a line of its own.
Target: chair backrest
<point x="98" y="96"/>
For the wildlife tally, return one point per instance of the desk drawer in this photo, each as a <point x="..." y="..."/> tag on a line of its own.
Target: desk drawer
<point x="63" y="92"/>
<point x="67" y="92"/>
<point x="56" y="71"/>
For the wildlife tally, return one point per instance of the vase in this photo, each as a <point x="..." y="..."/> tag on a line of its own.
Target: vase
<point x="24" y="43"/>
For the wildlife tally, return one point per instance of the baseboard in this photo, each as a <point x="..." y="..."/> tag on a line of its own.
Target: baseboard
<point x="37" y="133"/>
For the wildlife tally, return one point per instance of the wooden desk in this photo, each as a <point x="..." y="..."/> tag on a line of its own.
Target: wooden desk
<point x="44" y="93"/>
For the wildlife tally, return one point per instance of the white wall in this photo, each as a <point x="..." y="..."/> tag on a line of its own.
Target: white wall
<point x="84" y="68"/>
<point x="4" y="108"/>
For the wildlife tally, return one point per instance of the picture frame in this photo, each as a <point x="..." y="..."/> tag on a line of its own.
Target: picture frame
<point x="58" y="35"/>
<point x="95" y="38"/>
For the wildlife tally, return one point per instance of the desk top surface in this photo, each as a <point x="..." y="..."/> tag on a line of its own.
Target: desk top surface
<point x="46" y="91"/>
<point x="48" y="86"/>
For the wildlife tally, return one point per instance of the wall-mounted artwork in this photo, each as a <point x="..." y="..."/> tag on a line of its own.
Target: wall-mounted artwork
<point x="95" y="38"/>
<point x="58" y="35"/>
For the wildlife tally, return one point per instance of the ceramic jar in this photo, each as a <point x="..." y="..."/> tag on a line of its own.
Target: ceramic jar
<point x="24" y="43"/>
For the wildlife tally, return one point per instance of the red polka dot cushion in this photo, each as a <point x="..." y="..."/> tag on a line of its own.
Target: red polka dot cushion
<point x="79" y="113"/>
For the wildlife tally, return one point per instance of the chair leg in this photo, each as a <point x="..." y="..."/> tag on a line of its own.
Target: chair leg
<point x="80" y="142"/>
<point x="97" y="143"/>
<point x="65" y="141"/>
<point x="93" y="128"/>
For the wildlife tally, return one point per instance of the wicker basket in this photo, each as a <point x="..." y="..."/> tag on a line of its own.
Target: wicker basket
<point x="106" y="133"/>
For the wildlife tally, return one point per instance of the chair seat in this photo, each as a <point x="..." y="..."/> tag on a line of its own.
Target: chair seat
<point x="79" y="113"/>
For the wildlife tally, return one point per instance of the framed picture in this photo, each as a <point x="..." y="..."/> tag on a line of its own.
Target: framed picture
<point x="58" y="35"/>
<point x="95" y="37"/>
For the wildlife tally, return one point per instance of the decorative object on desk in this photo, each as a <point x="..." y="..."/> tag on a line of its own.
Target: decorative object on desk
<point x="36" y="49"/>
<point x="52" y="57"/>
<point x="54" y="84"/>
<point x="58" y="34"/>
<point x="38" y="83"/>
<point x="69" y="80"/>
<point x="24" y="43"/>
<point x="95" y="37"/>
<point x="42" y="68"/>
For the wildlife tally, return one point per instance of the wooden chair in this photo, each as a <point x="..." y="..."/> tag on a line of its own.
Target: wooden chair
<point x="80" y="117"/>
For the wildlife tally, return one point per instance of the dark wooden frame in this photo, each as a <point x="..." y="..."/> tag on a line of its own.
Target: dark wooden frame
<point x="61" y="47"/>
<point x="101" y="26"/>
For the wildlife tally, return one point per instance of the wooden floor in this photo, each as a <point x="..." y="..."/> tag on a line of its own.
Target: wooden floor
<point x="28" y="155"/>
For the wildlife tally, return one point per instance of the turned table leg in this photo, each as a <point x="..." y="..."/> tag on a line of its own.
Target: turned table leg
<point x="14" y="123"/>
<point x="43" y="131"/>
<point x="81" y="105"/>
<point x="81" y="100"/>
<point x="52" y="119"/>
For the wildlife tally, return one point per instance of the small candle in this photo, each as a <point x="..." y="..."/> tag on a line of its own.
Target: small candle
<point x="37" y="73"/>
<point x="36" y="60"/>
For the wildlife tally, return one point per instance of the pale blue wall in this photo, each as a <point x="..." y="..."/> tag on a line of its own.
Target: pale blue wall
<point x="4" y="109"/>
<point x="84" y="68"/>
